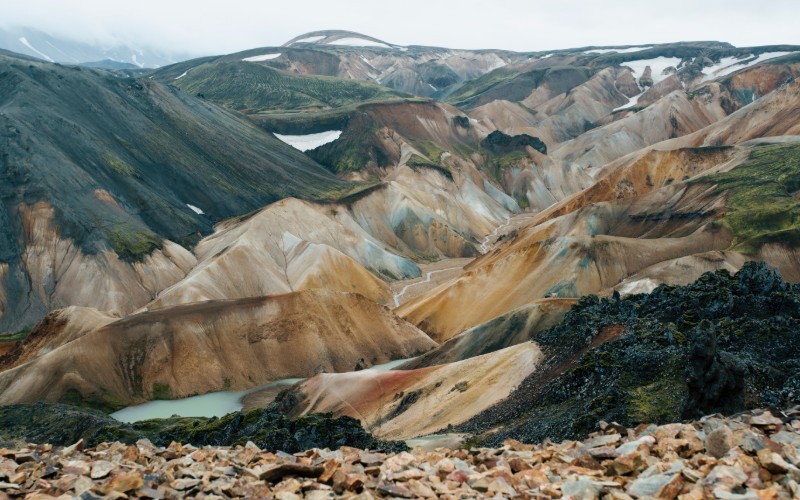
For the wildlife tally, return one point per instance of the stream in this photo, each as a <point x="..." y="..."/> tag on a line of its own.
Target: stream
<point x="411" y="285"/>
<point x="486" y="244"/>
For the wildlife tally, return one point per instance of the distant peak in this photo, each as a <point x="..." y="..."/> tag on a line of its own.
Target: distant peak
<point x="341" y="38"/>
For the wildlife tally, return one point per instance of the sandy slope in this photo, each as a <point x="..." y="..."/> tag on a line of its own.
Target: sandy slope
<point x="681" y="271"/>
<point x="63" y="275"/>
<point x="409" y="403"/>
<point x="578" y="253"/>
<point x="288" y="246"/>
<point x="773" y="115"/>
<point x="672" y="116"/>
<point x="199" y="348"/>
<point x="498" y="333"/>
<point x="628" y="221"/>
<point x="56" y="329"/>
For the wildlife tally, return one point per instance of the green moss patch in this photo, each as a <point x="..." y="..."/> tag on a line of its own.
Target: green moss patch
<point x="256" y="88"/>
<point x="470" y="90"/>
<point x="131" y="243"/>
<point x="416" y="162"/>
<point x="15" y="336"/>
<point x="761" y="196"/>
<point x="118" y="165"/>
<point x="161" y="391"/>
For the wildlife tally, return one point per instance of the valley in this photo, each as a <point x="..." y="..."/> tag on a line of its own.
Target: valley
<point x="379" y="245"/>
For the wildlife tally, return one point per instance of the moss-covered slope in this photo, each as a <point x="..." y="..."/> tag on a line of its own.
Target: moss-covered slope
<point x="762" y="196"/>
<point x="253" y="87"/>
<point x="513" y="85"/>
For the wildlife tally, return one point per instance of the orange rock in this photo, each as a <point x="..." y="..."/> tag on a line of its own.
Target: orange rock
<point x="124" y="483"/>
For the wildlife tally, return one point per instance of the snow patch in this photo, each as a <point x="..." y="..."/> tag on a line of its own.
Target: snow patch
<point x="618" y="51"/>
<point x="633" y="101"/>
<point x="728" y="65"/>
<point x="135" y="61"/>
<point x="264" y="57"/>
<point x="195" y="209"/>
<point x="358" y="42"/>
<point x="657" y="65"/>
<point x="499" y="63"/>
<point x="25" y="42"/>
<point x="367" y="62"/>
<point x="183" y="74"/>
<point x="310" y="39"/>
<point x="310" y="141"/>
<point x="645" y="285"/>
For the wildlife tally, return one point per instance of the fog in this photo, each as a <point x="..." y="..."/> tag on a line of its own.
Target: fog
<point x="210" y="27"/>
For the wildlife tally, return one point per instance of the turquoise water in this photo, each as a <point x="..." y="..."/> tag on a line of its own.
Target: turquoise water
<point x="435" y="441"/>
<point x="213" y="404"/>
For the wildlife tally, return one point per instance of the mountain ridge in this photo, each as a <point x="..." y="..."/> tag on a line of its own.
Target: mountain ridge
<point x="41" y="45"/>
<point x="555" y="238"/>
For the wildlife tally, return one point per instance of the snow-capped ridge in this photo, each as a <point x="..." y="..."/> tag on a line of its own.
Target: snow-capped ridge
<point x="341" y="38"/>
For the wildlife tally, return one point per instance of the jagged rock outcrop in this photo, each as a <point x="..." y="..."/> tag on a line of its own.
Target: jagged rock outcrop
<point x="715" y="380"/>
<point x="499" y="143"/>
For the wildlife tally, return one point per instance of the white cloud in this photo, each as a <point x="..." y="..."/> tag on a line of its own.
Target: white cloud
<point x="203" y="26"/>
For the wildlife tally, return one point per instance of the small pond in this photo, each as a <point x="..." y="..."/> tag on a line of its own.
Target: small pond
<point x="213" y="404"/>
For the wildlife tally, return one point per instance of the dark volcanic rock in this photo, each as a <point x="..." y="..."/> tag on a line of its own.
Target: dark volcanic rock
<point x="270" y="428"/>
<point x="722" y="344"/>
<point x="647" y="77"/>
<point x="715" y="380"/>
<point x="499" y="143"/>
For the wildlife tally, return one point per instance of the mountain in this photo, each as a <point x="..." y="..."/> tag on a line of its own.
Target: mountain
<point x="721" y="343"/>
<point x="104" y="174"/>
<point x="238" y="84"/>
<point x="213" y="346"/>
<point x="288" y="246"/>
<point x="41" y="45"/>
<point x="413" y="70"/>
<point x="556" y="238"/>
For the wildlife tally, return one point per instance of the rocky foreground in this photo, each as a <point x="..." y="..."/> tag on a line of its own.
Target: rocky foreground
<point x="754" y="455"/>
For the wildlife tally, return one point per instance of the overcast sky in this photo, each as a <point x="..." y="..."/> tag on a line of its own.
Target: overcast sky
<point x="221" y="26"/>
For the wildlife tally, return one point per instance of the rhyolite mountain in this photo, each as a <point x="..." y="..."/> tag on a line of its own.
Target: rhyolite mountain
<point x="534" y="227"/>
<point x="103" y="164"/>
